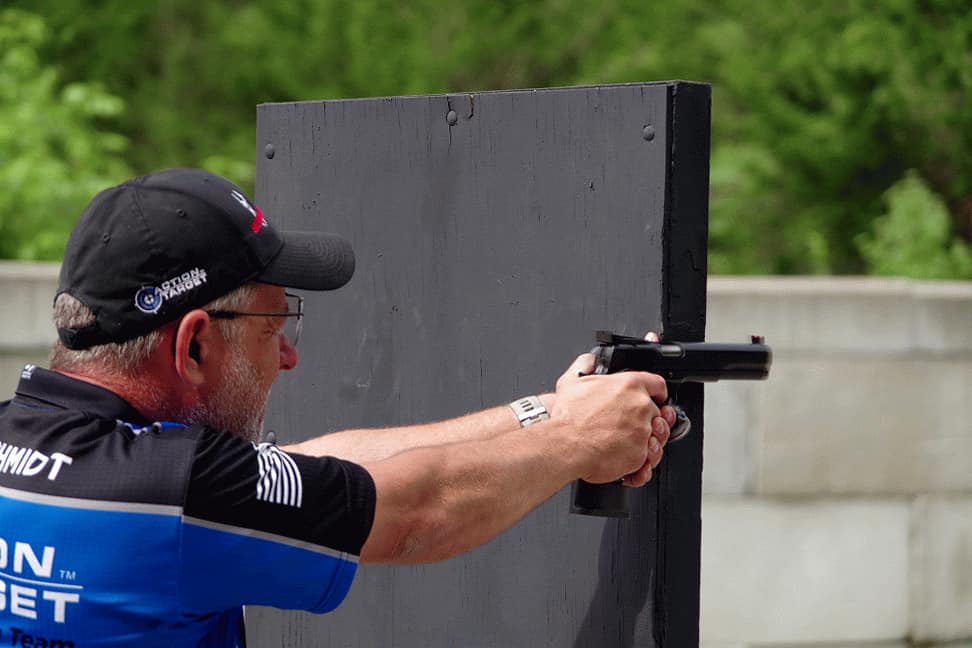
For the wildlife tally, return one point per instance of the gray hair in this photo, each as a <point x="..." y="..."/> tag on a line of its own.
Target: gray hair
<point x="126" y="358"/>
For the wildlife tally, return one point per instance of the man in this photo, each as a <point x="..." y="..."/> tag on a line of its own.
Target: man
<point x="138" y="508"/>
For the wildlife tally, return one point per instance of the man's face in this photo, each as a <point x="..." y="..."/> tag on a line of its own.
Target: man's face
<point x="253" y="352"/>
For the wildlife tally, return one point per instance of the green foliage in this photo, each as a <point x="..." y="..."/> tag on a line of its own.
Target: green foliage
<point x="818" y="108"/>
<point x="914" y="237"/>
<point x="53" y="157"/>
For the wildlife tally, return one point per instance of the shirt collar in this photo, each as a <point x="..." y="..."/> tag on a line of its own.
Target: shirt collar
<point x="42" y="386"/>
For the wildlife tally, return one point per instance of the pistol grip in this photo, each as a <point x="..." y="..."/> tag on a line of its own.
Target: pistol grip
<point x="605" y="500"/>
<point x="611" y="500"/>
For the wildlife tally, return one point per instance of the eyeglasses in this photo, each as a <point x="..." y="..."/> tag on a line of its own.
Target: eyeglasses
<point x="293" y="317"/>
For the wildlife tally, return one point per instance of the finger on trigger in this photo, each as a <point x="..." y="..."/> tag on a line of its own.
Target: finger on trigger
<point x="583" y="365"/>
<point x="657" y="387"/>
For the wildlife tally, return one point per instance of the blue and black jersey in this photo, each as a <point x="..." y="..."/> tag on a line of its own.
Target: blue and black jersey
<point x="118" y="531"/>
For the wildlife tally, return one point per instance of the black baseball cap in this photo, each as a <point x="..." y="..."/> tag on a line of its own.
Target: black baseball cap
<point x="151" y="249"/>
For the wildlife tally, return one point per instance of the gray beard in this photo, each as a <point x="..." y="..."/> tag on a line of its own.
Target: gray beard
<point x="236" y="405"/>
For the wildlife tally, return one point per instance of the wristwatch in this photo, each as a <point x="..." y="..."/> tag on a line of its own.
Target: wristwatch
<point x="529" y="410"/>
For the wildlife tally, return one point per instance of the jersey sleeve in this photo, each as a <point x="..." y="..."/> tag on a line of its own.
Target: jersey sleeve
<point x="266" y="527"/>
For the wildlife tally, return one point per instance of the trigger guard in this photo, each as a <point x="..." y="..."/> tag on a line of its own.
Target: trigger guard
<point x="683" y="425"/>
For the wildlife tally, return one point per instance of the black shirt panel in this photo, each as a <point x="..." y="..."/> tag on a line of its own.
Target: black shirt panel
<point x="327" y="501"/>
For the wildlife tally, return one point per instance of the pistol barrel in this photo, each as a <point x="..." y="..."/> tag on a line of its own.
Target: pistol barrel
<point x="688" y="361"/>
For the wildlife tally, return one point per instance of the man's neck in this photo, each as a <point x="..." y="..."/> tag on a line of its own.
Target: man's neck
<point x="144" y="395"/>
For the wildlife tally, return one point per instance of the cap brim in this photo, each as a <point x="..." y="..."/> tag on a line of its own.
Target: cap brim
<point x="311" y="261"/>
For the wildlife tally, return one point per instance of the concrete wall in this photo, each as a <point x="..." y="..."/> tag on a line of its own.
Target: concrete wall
<point x="838" y="494"/>
<point x="26" y="333"/>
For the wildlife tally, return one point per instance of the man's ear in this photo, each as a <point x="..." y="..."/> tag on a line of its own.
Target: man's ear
<point x="193" y="340"/>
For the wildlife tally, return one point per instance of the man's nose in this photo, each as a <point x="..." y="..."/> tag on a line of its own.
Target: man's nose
<point x="288" y="354"/>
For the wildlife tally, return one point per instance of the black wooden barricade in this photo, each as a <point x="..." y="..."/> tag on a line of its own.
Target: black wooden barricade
<point x="494" y="232"/>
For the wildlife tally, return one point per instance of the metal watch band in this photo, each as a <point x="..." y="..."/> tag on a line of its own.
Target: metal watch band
<point x="529" y="410"/>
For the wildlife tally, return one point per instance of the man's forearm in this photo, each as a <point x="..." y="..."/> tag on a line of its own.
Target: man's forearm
<point x="368" y="445"/>
<point x="436" y="502"/>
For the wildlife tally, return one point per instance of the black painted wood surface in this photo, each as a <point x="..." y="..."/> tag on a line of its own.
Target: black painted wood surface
<point x="494" y="233"/>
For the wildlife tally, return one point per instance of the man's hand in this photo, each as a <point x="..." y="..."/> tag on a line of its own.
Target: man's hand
<point x="614" y="422"/>
<point x="643" y="476"/>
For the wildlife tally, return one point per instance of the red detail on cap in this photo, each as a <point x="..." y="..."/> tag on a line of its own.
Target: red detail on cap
<point x="257" y="221"/>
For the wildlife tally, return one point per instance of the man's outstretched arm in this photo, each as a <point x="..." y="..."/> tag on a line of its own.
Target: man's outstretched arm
<point x="369" y="445"/>
<point x="437" y="501"/>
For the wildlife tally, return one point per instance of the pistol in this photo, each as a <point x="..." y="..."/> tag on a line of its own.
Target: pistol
<point x="676" y="362"/>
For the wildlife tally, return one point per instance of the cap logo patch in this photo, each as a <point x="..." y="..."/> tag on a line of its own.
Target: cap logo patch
<point x="149" y="299"/>
<point x="259" y="222"/>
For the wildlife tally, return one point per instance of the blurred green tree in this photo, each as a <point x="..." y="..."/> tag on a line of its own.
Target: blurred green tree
<point x="818" y="110"/>
<point x="54" y="155"/>
<point x="914" y="236"/>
